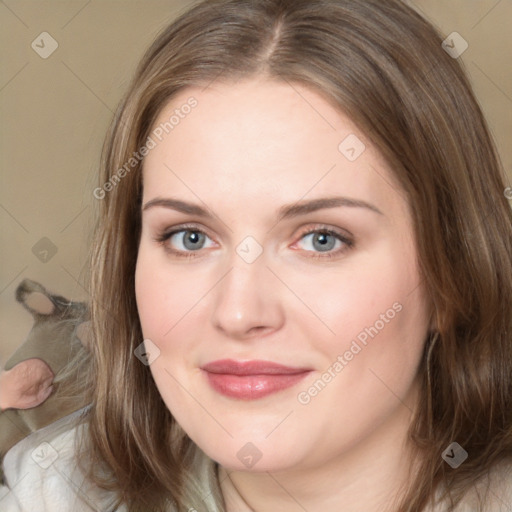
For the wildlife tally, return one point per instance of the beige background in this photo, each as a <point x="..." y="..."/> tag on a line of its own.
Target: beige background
<point x="55" y="112"/>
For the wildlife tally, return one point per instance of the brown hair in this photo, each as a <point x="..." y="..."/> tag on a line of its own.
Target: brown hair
<point x="383" y="65"/>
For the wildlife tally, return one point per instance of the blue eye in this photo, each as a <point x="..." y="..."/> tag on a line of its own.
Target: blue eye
<point x="192" y="239"/>
<point x="324" y="241"/>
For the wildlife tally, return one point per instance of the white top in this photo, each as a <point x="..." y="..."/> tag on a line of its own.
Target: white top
<point x="41" y="475"/>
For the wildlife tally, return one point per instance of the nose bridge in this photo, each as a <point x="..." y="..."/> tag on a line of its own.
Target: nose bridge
<point x="245" y="297"/>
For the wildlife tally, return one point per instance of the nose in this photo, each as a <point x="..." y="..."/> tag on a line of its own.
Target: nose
<point x="247" y="300"/>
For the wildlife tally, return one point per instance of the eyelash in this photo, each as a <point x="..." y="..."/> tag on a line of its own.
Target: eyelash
<point x="164" y="236"/>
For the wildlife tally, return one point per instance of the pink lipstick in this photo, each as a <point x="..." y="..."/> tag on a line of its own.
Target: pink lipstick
<point x="250" y="380"/>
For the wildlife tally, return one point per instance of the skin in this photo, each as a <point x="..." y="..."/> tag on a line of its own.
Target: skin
<point x="26" y="385"/>
<point x="244" y="151"/>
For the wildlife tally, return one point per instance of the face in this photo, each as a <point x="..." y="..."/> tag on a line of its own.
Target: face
<point x="331" y="292"/>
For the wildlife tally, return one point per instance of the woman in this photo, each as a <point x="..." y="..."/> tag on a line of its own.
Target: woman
<point x="333" y="332"/>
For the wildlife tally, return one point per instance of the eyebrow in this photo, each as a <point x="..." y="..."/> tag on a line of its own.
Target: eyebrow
<point x="285" y="212"/>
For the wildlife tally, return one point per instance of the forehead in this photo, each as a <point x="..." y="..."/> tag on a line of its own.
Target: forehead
<point x="263" y="140"/>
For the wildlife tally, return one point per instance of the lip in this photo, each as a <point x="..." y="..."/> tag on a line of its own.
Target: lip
<point x="250" y="380"/>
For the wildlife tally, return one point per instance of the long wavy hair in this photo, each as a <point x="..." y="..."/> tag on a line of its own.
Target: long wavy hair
<point x="383" y="65"/>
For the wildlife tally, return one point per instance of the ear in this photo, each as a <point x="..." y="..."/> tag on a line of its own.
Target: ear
<point x="35" y="298"/>
<point x="26" y="385"/>
<point x="84" y="333"/>
<point x="39" y="303"/>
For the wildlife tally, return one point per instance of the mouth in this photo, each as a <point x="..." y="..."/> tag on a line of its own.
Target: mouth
<point x="250" y="380"/>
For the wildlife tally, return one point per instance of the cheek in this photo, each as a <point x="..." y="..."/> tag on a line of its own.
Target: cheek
<point x="161" y="303"/>
<point x="163" y="295"/>
<point x="148" y="291"/>
<point x="378" y="316"/>
<point x="373" y="290"/>
<point x="370" y="364"/>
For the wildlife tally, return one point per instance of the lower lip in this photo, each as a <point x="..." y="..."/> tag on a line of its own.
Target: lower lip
<point x="252" y="387"/>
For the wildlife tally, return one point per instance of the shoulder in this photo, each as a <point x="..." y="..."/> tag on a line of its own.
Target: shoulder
<point x="494" y="491"/>
<point x="41" y="472"/>
<point x="498" y="493"/>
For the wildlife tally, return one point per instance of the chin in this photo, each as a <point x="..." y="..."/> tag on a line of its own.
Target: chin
<point x="253" y="456"/>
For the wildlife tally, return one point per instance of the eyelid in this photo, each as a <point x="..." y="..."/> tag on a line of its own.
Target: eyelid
<point x="347" y="239"/>
<point x="342" y="233"/>
<point x="163" y="236"/>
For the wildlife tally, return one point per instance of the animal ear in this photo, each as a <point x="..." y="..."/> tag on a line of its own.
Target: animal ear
<point x="84" y="333"/>
<point x="35" y="298"/>
<point x="39" y="303"/>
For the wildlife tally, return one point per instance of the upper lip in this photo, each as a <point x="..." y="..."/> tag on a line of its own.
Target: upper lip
<point x="255" y="367"/>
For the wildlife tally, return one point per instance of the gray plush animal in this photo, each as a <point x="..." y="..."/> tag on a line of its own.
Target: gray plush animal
<point x="29" y="397"/>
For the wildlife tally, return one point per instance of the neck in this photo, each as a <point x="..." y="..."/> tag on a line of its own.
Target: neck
<point x="369" y="477"/>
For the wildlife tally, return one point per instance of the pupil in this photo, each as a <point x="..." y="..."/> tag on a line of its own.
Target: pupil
<point x="322" y="239"/>
<point x="193" y="237"/>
